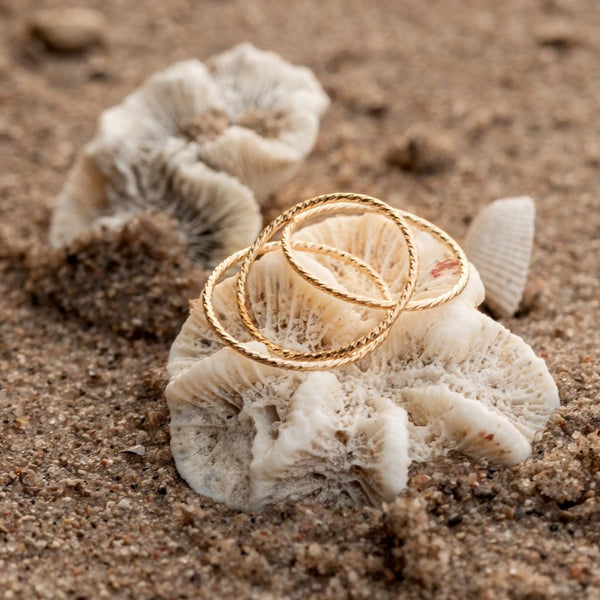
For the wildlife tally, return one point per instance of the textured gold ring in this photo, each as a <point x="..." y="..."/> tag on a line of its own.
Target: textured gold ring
<point x="243" y="348"/>
<point x="286" y="247"/>
<point x="278" y="356"/>
<point x="462" y="262"/>
<point x="349" y="259"/>
<point x="414" y="305"/>
<point x="371" y="339"/>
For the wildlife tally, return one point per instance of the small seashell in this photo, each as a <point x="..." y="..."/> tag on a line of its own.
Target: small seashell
<point x="446" y="378"/>
<point x="68" y="29"/>
<point x="499" y="242"/>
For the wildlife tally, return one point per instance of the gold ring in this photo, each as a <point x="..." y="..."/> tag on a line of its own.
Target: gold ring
<point x="462" y="262"/>
<point x="377" y="334"/>
<point x="278" y="356"/>
<point x="242" y="348"/>
<point x="349" y="259"/>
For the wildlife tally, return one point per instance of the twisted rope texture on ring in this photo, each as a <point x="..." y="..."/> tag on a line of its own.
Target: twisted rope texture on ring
<point x="360" y="347"/>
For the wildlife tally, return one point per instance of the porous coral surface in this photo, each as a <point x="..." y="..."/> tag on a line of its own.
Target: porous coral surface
<point x="515" y="86"/>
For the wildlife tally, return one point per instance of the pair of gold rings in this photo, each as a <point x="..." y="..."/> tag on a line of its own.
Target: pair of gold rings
<point x="394" y="305"/>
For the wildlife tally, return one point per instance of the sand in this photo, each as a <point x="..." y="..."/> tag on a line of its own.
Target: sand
<point x="507" y="97"/>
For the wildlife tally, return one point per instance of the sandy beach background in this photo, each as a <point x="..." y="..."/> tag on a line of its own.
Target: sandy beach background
<point x="509" y="92"/>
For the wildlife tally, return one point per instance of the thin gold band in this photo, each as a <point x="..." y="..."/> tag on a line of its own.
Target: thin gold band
<point x="378" y="333"/>
<point x="286" y="248"/>
<point x="413" y="305"/>
<point x="242" y="348"/>
<point x="286" y="358"/>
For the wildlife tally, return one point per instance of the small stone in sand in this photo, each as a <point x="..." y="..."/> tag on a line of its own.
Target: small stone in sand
<point x="68" y="29"/>
<point x="421" y="152"/>
<point x="138" y="449"/>
<point x="124" y="504"/>
<point x="557" y="34"/>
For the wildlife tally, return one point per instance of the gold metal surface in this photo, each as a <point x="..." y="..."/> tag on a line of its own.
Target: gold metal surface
<point x="289" y="221"/>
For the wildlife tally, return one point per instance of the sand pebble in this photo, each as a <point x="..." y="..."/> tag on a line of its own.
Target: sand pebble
<point x="124" y="504"/>
<point x="138" y="449"/>
<point x="4" y="62"/>
<point x="422" y="152"/>
<point x="558" y="34"/>
<point x="68" y="29"/>
<point x="369" y="98"/>
<point x="188" y="514"/>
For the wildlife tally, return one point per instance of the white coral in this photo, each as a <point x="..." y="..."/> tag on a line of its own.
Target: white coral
<point x="446" y="378"/>
<point x="249" y="115"/>
<point x="217" y="215"/>
<point x="273" y="109"/>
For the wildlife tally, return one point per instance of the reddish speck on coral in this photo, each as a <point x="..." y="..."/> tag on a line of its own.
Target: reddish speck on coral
<point x="444" y="265"/>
